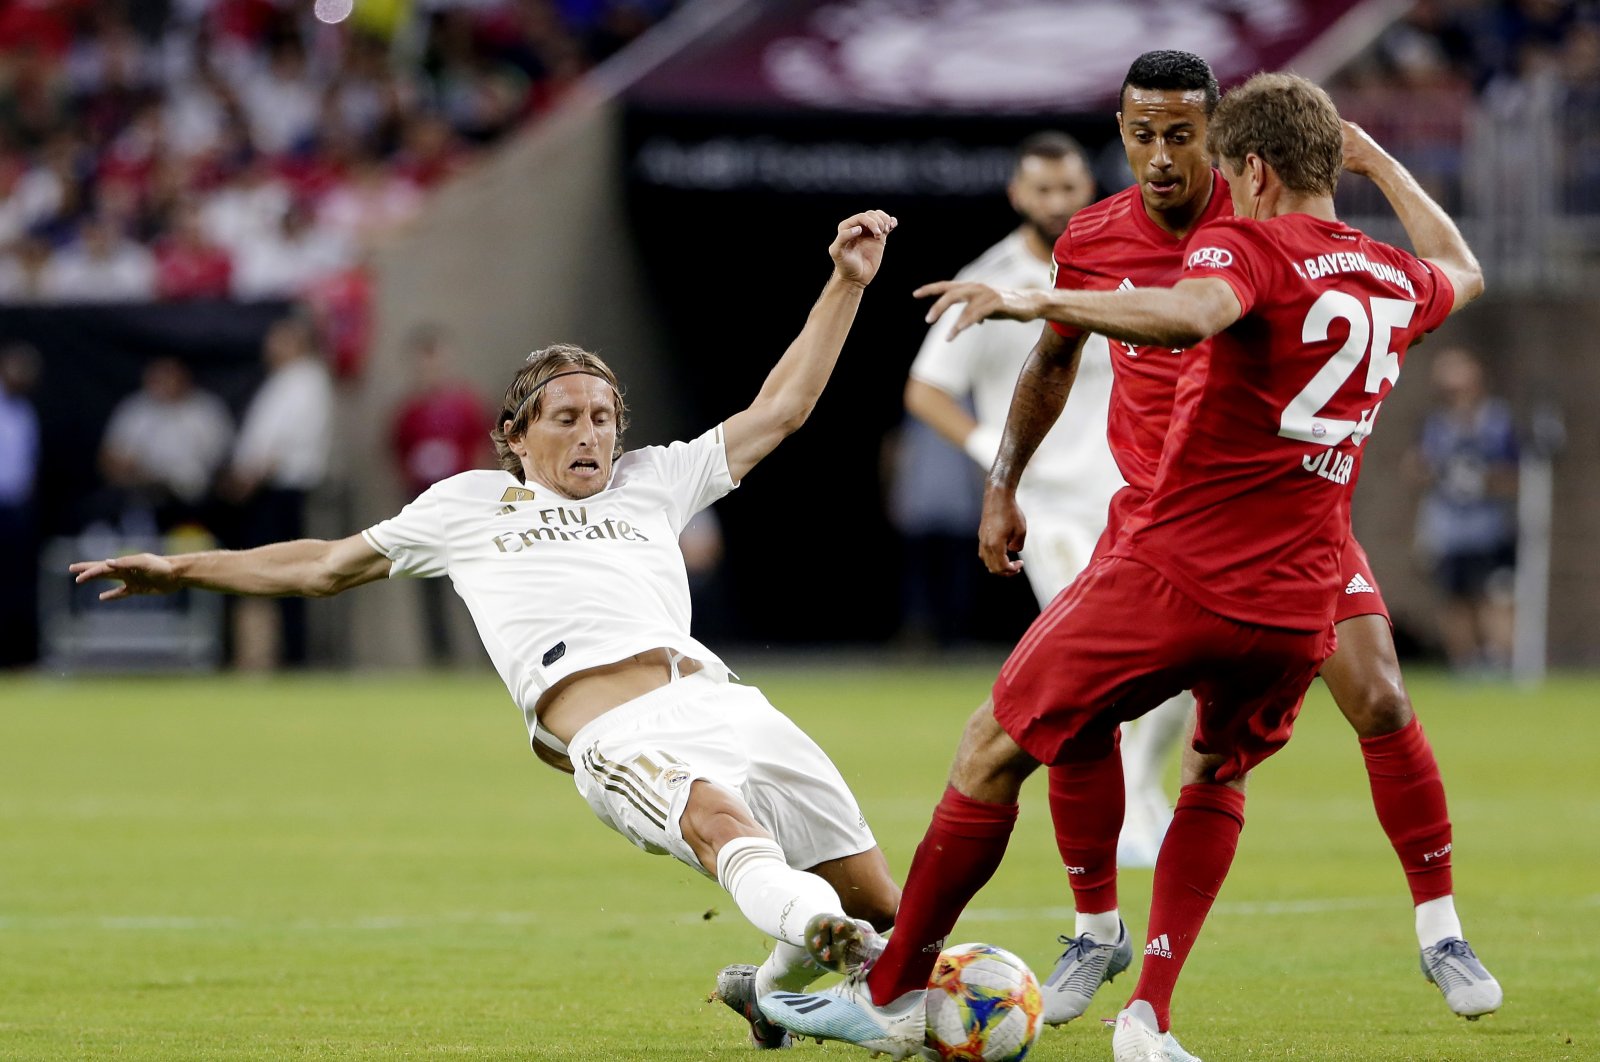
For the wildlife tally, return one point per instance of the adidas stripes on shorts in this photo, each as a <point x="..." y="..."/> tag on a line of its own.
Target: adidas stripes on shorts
<point x="1359" y="596"/>
<point x="1121" y="640"/>
<point x="636" y="764"/>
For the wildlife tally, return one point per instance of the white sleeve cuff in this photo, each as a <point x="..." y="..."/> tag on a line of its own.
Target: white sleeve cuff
<point x="983" y="445"/>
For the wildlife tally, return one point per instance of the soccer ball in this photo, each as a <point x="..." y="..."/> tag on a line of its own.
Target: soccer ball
<point x="983" y="1006"/>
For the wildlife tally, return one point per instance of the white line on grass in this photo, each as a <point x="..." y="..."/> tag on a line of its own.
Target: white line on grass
<point x="380" y="923"/>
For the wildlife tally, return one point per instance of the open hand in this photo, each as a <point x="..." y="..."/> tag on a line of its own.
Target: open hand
<point x="982" y="303"/>
<point x="857" y="250"/>
<point x="141" y="573"/>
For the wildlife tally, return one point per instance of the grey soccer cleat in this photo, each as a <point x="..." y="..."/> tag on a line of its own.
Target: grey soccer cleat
<point x="843" y="945"/>
<point x="1469" y="989"/>
<point x="1082" y="969"/>
<point x="736" y="986"/>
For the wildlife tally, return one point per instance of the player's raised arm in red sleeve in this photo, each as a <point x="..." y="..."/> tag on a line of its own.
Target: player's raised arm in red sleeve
<point x="305" y="568"/>
<point x="795" y="383"/>
<point x="1434" y="236"/>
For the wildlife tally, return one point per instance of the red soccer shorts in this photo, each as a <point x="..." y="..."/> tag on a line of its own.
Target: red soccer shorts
<point x="1124" y="503"/>
<point x="1120" y="640"/>
<point x="1360" y="595"/>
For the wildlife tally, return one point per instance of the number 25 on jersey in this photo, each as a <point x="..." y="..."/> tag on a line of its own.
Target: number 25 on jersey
<point x="1368" y="340"/>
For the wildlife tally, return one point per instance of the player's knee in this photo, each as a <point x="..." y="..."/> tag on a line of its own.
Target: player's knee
<point x="1379" y="707"/>
<point x="875" y="906"/>
<point x="990" y="766"/>
<point x="1199" y="768"/>
<point x="714" y="816"/>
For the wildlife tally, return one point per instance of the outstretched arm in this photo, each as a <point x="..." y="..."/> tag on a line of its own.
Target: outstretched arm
<point x="305" y="567"/>
<point x="939" y="410"/>
<point x="1434" y="236"/>
<point x="1180" y="316"/>
<point x="796" y="382"/>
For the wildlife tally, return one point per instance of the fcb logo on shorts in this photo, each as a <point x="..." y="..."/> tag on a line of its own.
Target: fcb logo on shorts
<point x="673" y="777"/>
<point x="1211" y="258"/>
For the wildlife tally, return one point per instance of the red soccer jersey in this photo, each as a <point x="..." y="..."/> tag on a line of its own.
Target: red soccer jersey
<point x="1251" y="506"/>
<point x="1114" y="244"/>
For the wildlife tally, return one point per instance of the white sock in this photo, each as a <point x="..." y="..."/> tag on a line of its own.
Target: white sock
<point x="1436" y="920"/>
<point x="777" y="899"/>
<point x="1103" y="926"/>
<point x="787" y="969"/>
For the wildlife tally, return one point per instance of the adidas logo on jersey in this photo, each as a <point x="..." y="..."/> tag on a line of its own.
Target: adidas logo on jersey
<point x="1159" y="947"/>
<point x="1358" y="585"/>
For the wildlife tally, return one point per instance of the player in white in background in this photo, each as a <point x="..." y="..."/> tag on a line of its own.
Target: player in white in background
<point x="568" y="559"/>
<point x="1068" y="485"/>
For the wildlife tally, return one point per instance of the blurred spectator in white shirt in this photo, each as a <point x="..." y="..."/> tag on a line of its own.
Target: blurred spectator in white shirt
<point x="246" y="209"/>
<point x="197" y="107"/>
<point x="281" y="456"/>
<point x="102" y="266"/>
<point x="36" y="196"/>
<point x="281" y="99"/>
<point x="165" y="444"/>
<point x="286" y="262"/>
<point x="370" y="203"/>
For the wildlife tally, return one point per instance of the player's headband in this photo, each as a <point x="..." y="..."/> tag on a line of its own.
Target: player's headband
<point x="517" y="415"/>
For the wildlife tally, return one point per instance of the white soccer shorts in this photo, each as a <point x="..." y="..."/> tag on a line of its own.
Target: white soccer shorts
<point x="1058" y="547"/>
<point x="636" y="763"/>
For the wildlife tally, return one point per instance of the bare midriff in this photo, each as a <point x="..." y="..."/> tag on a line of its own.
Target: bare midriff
<point x="580" y="698"/>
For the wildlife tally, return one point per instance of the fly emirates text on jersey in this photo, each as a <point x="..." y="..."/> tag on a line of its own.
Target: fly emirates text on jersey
<point x="566" y="525"/>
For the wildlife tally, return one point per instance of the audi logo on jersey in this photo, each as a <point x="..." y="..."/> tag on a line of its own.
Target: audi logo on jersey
<point x="1211" y="257"/>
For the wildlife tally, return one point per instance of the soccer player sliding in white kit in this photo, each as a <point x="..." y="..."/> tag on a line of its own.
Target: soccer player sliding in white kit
<point x="568" y="559"/>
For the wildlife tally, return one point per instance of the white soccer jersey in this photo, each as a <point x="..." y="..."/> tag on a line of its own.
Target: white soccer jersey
<point x="554" y="585"/>
<point x="1072" y="471"/>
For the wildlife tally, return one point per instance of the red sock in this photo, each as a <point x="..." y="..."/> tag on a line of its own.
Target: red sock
<point x="1086" y="806"/>
<point x="958" y="855"/>
<point x="1409" y="796"/>
<point x="1194" y="860"/>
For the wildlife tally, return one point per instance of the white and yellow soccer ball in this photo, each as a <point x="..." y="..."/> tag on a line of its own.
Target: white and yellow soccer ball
<point x="983" y="1006"/>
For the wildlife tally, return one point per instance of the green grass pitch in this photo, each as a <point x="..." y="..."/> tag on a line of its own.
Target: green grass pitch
<point x="378" y="868"/>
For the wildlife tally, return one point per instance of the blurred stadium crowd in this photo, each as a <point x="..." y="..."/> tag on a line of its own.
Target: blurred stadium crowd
<point x="249" y="150"/>
<point x="1425" y="79"/>
<point x="171" y="149"/>
<point x="1485" y="46"/>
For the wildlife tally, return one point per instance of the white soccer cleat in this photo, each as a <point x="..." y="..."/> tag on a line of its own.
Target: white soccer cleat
<point x="1175" y="1051"/>
<point x="845" y="1012"/>
<point x="1082" y="969"/>
<point x="1135" y="1037"/>
<point x="1469" y="989"/>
